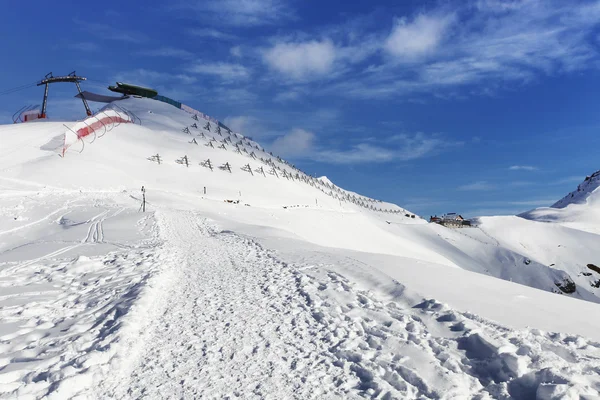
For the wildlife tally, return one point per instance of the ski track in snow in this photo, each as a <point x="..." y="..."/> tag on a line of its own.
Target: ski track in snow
<point x="60" y="317"/>
<point x="238" y="323"/>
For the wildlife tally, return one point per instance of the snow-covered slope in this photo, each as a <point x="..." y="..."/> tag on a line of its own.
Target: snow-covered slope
<point x="259" y="281"/>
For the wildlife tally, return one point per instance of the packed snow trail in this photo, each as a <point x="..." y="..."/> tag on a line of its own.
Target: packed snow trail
<point x="237" y="323"/>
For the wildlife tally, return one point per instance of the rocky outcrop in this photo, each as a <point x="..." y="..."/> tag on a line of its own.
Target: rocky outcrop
<point x="594" y="268"/>
<point x="566" y="285"/>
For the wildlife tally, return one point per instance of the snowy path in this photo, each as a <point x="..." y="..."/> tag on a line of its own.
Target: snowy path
<point x="238" y="323"/>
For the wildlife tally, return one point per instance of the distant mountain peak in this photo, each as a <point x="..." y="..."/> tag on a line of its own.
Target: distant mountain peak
<point x="584" y="190"/>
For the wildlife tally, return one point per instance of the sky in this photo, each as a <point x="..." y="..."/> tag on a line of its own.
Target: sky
<point x="480" y="107"/>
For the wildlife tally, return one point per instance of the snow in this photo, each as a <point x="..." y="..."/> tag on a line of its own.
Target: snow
<point x="271" y="287"/>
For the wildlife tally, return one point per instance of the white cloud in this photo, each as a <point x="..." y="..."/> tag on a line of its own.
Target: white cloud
<point x="225" y="71"/>
<point x="301" y="60"/>
<point x="420" y="37"/>
<point x="477" y="186"/>
<point x="166" y="52"/>
<point x="240" y="123"/>
<point x="246" y="125"/>
<point x="522" y="168"/>
<point x="296" y="143"/>
<point x="490" y="43"/>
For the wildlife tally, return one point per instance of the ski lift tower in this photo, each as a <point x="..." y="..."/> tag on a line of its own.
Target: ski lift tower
<point x="48" y="79"/>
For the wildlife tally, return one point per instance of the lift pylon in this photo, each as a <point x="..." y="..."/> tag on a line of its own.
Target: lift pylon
<point x="49" y="78"/>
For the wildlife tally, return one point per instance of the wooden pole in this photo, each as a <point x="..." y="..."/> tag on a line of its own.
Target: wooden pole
<point x="143" y="199"/>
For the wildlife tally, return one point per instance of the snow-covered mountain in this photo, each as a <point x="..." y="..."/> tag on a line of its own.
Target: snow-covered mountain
<point x="587" y="192"/>
<point x="246" y="277"/>
<point x="579" y="209"/>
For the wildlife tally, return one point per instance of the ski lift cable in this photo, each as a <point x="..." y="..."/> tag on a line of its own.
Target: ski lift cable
<point x="18" y="88"/>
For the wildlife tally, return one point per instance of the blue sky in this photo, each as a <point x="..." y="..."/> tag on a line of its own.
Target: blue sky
<point x="476" y="107"/>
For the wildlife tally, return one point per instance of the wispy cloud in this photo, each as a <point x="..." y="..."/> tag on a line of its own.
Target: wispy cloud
<point x="236" y="51"/>
<point x="84" y="46"/>
<point x="288" y="95"/>
<point x="477" y="186"/>
<point x="568" y="179"/>
<point x="152" y="78"/>
<point x="419" y="145"/>
<point x="170" y="52"/>
<point x="419" y="203"/>
<point x="212" y="34"/>
<point x="225" y="71"/>
<point x="110" y="32"/>
<point x="533" y="203"/>
<point x="360" y="153"/>
<point x="243" y="13"/>
<point x="403" y="147"/>
<point x="522" y="168"/>
<point x="485" y="43"/>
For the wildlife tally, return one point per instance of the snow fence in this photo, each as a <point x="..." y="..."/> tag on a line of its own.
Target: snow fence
<point x="96" y="126"/>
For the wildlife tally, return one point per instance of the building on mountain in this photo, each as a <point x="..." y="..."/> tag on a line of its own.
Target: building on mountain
<point x="451" y="220"/>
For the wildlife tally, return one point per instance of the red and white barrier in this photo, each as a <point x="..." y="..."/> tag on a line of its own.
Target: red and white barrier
<point x="105" y="120"/>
